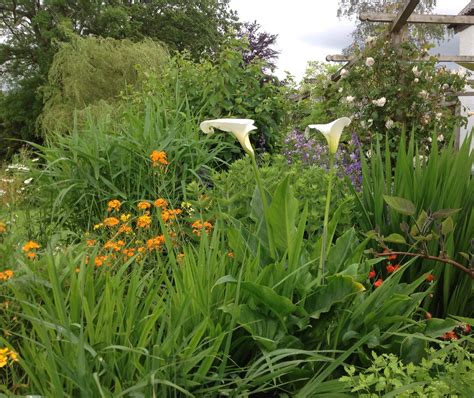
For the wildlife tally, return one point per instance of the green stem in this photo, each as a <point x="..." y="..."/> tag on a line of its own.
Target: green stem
<point x="265" y="205"/>
<point x="322" y="260"/>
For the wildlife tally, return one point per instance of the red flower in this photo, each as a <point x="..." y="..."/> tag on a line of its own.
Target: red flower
<point x="392" y="268"/>
<point x="371" y="274"/>
<point x="450" y="336"/>
<point x="467" y="328"/>
<point x="391" y="256"/>
<point x="430" y="277"/>
<point x="378" y="283"/>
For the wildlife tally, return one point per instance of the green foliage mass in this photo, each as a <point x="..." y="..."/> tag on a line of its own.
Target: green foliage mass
<point x="230" y="87"/>
<point x="92" y="73"/>
<point x="448" y="371"/>
<point x="232" y="190"/>
<point x="442" y="180"/>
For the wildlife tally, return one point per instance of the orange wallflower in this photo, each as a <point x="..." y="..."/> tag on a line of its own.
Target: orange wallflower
<point x="159" y="157"/>
<point x="124" y="229"/>
<point x="5" y="275"/>
<point x="129" y="252"/>
<point x="113" y="205"/>
<point x="143" y="205"/>
<point x="91" y="242"/>
<point x="100" y="260"/>
<point x="155" y="243"/>
<point x="144" y="221"/>
<point x="198" y="225"/>
<point x="167" y="215"/>
<point x="160" y="202"/>
<point x="111" y="221"/>
<point x="3" y="227"/>
<point x="31" y="255"/>
<point x="30" y="245"/>
<point x="115" y="246"/>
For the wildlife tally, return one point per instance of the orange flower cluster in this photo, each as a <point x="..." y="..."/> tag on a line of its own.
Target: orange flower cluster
<point x="30" y="249"/>
<point x="169" y="215"/>
<point x="111" y="222"/>
<point x="115" y="246"/>
<point x="113" y="205"/>
<point x="155" y="243"/>
<point x="159" y="158"/>
<point x="160" y="202"/>
<point x="6" y="275"/>
<point x="3" y="227"/>
<point x="144" y="221"/>
<point x="198" y="226"/>
<point x="124" y="229"/>
<point x="7" y="355"/>
<point x="144" y="206"/>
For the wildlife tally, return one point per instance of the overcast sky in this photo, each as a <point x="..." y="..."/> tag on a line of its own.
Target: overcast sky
<point x="308" y="29"/>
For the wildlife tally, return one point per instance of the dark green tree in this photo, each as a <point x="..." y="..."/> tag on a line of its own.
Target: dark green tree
<point x="32" y="31"/>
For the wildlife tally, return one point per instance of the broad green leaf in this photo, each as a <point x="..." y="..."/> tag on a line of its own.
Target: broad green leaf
<point x="413" y="349"/>
<point x="447" y="226"/>
<point x="282" y="215"/>
<point x="400" y="205"/>
<point x="436" y="327"/>
<point x="341" y="251"/>
<point x="279" y="305"/>
<point x="395" y="238"/>
<point x="443" y="213"/>
<point x="338" y="289"/>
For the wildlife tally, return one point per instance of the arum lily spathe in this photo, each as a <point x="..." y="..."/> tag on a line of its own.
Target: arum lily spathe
<point x="332" y="131"/>
<point x="240" y="128"/>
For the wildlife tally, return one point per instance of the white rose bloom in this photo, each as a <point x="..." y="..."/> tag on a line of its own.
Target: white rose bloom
<point x="415" y="71"/>
<point x="28" y="181"/>
<point x="424" y="94"/>
<point x="369" y="61"/>
<point x="349" y="99"/>
<point x="462" y="73"/>
<point x="370" y="39"/>
<point x="380" y="102"/>
<point x="340" y="90"/>
<point x="440" y="138"/>
<point x="344" y="73"/>
<point x="389" y="123"/>
<point x="416" y="80"/>
<point x="438" y="116"/>
<point x="445" y="86"/>
<point x="430" y="139"/>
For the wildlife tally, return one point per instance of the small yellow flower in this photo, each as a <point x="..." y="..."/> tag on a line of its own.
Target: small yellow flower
<point x="125" y="217"/>
<point x="98" y="226"/>
<point x="144" y="221"/>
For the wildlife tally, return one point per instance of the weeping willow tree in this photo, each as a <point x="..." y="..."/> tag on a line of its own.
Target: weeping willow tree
<point x="88" y="76"/>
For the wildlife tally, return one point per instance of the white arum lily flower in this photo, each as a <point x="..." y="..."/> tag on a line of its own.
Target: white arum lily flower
<point x="240" y="128"/>
<point x="332" y="131"/>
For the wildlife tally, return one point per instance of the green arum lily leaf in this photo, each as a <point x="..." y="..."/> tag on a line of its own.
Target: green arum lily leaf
<point x="436" y="327"/>
<point x="339" y="289"/>
<point x="400" y="205"/>
<point x="281" y="306"/>
<point x="282" y="216"/>
<point x="413" y="349"/>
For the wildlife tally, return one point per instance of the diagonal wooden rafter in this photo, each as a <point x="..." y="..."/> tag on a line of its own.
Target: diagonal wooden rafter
<point x="402" y="17"/>
<point x="419" y="18"/>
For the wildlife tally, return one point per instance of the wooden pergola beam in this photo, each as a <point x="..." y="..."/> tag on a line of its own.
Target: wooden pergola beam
<point x="440" y="58"/>
<point x="402" y="17"/>
<point x="419" y="18"/>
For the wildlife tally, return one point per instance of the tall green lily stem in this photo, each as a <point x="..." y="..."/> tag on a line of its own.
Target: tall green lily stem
<point x="322" y="259"/>
<point x="265" y="205"/>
